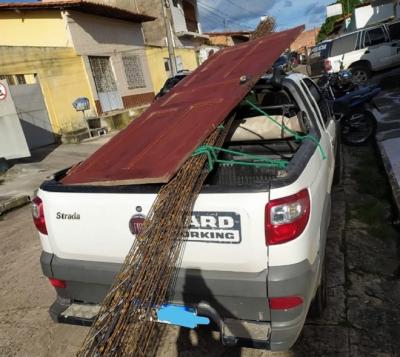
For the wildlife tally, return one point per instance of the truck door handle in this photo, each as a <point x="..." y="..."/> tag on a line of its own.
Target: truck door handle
<point x="366" y="52"/>
<point x="395" y="44"/>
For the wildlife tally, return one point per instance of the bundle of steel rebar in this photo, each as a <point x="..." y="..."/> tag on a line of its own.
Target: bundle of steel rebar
<point x="126" y="321"/>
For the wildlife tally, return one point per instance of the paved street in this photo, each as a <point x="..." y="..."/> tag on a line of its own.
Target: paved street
<point x="363" y="283"/>
<point x="26" y="175"/>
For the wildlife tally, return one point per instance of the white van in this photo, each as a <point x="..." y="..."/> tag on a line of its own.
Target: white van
<point x="363" y="52"/>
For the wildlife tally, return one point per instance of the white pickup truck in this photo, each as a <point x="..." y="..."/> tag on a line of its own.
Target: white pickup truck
<point x="253" y="260"/>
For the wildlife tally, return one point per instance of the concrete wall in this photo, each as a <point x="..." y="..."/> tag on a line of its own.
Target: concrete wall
<point x="33" y="28"/>
<point x="62" y="78"/>
<point x="99" y="36"/>
<point x="368" y="15"/>
<point x="207" y="51"/>
<point x="178" y="17"/>
<point x="221" y="40"/>
<point x="154" y="31"/>
<point x="156" y="57"/>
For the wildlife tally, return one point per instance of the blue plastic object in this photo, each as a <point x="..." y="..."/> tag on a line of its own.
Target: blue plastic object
<point x="180" y="316"/>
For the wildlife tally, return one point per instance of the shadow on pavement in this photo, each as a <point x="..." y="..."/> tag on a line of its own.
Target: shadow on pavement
<point x="37" y="155"/>
<point x="188" y="345"/>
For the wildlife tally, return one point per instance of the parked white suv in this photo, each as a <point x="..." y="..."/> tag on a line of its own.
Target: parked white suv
<point x="363" y="52"/>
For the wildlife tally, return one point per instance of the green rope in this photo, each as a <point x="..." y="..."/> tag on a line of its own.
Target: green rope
<point x="212" y="154"/>
<point x="296" y="135"/>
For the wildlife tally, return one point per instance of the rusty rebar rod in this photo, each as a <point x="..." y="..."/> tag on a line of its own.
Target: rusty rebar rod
<point x="125" y="324"/>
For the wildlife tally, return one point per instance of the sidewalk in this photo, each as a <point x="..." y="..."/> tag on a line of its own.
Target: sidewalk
<point x="19" y="183"/>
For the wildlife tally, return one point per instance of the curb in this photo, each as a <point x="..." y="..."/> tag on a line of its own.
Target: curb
<point x="394" y="183"/>
<point x="13" y="203"/>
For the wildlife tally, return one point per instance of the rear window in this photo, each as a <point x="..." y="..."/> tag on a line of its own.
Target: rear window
<point x="343" y="45"/>
<point x="320" y="51"/>
<point x="394" y="30"/>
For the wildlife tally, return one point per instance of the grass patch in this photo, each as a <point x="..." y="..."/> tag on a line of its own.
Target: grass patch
<point x="370" y="177"/>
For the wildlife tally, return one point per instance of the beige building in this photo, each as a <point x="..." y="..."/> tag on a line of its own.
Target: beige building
<point x="228" y="38"/>
<point x="305" y="41"/>
<point x="76" y="49"/>
<point x="183" y="15"/>
<point x="114" y="54"/>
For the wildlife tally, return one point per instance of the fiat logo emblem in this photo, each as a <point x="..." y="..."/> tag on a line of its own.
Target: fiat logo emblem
<point x="136" y="223"/>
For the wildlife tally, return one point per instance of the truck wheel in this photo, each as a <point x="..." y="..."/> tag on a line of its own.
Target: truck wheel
<point x="361" y="73"/>
<point x="319" y="303"/>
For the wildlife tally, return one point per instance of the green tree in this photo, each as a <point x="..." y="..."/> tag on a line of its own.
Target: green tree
<point x="327" y="26"/>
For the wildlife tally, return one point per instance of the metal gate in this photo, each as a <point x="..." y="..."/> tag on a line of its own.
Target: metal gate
<point x="32" y="112"/>
<point x="13" y="144"/>
<point x="106" y="86"/>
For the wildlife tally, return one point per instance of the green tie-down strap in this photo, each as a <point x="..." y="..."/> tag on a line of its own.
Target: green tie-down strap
<point x="258" y="161"/>
<point x="296" y="135"/>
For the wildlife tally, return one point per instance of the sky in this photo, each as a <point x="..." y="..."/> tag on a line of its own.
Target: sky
<point x="245" y="15"/>
<point x="217" y="15"/>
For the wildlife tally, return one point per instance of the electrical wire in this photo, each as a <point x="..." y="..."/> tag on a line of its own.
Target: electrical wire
<point x="243" y="9"/>
<point x="221" y="14"/>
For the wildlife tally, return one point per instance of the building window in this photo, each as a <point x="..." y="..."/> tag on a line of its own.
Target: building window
<point x="134" y="72"/>
<point x="167" y="65"/>
<point x="102" y="74"/>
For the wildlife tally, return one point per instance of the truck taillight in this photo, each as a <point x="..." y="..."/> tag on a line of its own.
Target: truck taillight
<point x="38" y="215"/>
<point x="327" y="65"/>
<point x="57" y="283"/>
<point x="285" y="303"/>
<point x="286" y="218"/>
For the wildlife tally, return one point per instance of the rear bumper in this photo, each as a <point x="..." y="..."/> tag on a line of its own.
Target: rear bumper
<point x="295" y="280"/>
<point x="227" y="298"/>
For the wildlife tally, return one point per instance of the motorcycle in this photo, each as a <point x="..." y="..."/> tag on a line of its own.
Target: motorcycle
<point x="349" y="103"/>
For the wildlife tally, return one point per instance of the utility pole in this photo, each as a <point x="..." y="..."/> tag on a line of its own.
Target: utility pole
<point x="170" y="40"/>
